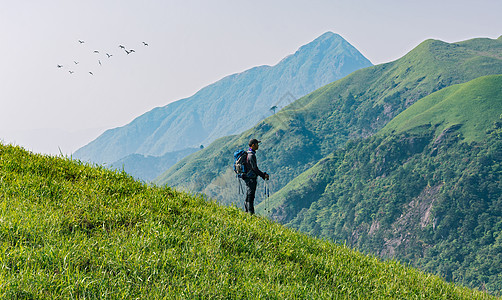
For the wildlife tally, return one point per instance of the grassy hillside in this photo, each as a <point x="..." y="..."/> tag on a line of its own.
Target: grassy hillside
<point x="474" y="105"/>
<point x="68" y="230"/>
<point x="358" y="105"/>
<point x="425" y="190"/>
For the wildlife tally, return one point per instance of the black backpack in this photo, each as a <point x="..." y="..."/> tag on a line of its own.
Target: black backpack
<point x="240" y="163"/>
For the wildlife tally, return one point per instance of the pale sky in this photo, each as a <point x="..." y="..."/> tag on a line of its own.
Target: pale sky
<point x="190" y="45"/>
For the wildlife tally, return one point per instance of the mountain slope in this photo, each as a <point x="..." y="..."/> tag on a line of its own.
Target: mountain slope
<point x="148" y="168"/>
<point x="358" y="105"/>
<point x="217" y="110"/>
<point x="475" y="105"/>
<point x="425" y="190"/>
<point x="68" y="230"/>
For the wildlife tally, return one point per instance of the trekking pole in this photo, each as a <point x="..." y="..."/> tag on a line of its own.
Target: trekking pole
<point x="267" y="195"/>
<point x="268" y="189"/>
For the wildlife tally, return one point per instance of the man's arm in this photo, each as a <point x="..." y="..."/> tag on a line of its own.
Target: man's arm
<point x="254" y="166"/>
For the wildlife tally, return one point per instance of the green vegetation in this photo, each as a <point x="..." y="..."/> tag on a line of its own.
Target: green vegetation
<point x="69" y="230"/>
<point x="474" y="105"/>
<point x="298" y="136"/>
<point x="439" y="213"/>
<point x="425" y="190"/>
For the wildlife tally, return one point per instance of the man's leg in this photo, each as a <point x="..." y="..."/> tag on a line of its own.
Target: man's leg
<point x="250" y="194"/>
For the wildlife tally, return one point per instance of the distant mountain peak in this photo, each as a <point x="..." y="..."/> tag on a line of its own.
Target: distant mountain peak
<point x="215" y="110"/>
<point x="330" y="46"/>
<point x="328" y="38"/>
<point x="329" y="34"/>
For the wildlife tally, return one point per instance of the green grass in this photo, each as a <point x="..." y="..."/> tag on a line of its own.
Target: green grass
<point x="474" y="105"/>
<point x="69" y="230"/>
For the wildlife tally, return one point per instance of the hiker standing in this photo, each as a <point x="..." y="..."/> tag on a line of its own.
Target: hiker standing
<point x="251" y="177"/>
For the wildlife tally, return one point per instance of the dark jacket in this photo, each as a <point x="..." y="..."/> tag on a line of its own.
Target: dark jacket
<point x="253" y="166"/>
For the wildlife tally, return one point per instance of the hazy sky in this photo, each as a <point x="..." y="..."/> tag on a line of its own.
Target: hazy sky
<point x="190" y="45"/>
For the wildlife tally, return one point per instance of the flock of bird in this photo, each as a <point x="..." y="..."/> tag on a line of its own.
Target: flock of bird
<point x="108" y="55"/>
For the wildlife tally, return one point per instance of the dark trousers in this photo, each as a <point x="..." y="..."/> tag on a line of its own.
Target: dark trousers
<point x="250" y="193"/>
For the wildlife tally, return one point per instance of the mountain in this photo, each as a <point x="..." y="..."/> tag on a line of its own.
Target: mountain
<point x="298" y="136"/>
<point x="147" y="167"/>
<point x="69" y="230"/>
<point x="229" y="106"/>
<point x="425" y="190"/>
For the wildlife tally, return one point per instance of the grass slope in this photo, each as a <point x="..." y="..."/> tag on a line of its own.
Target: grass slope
<point x="68" y="230"/>
<point x="474" y="105"/>
<point x="359" y="105"/>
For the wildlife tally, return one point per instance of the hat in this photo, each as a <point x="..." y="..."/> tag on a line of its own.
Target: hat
<point x="253" y="141"/>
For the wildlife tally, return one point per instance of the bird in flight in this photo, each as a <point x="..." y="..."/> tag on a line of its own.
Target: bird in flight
<point x="146" y="44"/>
<point x="81" y="42"/>
<point x="99" y="61"/>
<point x="130" y="51"/>
<point x="76" y="62"/>
<point x="96" y="51"/>
<point x="71" y="72"/>
<point x="109" y="55"/>
<point x="91" y="73"/>
<point x="60" y="66"/>
<point x="120" y="46"/>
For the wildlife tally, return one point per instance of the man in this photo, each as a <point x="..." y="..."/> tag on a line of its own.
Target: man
<point x="251" y="177"/>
